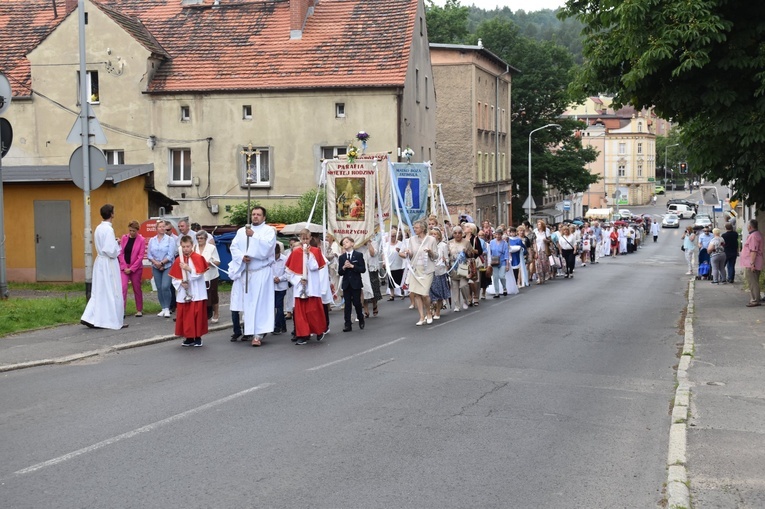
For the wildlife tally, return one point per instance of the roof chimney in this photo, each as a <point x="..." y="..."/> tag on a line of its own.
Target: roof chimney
<point x="299" y="12"/>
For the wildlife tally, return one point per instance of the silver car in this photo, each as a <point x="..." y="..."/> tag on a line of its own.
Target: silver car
<point x="702" y="221"/>
<point x="670" y="221"/>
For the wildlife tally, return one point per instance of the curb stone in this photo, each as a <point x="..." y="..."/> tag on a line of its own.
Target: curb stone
<point x="101" y="351"/>
<point x="678" y="492"/>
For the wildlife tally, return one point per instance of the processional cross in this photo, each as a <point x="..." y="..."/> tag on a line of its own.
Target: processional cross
<point x="248" y="180"/>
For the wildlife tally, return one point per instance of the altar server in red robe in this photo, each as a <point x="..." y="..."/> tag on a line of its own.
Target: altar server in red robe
<point x="188" y="274"/>
<point x="303" y="267"/>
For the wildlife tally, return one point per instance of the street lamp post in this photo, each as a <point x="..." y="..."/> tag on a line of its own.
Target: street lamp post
<point x="557" y="126"/>
<point x="665" y="167"/>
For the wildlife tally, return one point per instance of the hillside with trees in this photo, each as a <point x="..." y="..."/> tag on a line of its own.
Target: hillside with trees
<point x="540" y="95"/>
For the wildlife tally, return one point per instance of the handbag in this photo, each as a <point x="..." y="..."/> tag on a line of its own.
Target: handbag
<point x="462" y="270"/>
<point x="682" y="247"/>
<point x="495" y="261"/>
<point x="554" y="261"/>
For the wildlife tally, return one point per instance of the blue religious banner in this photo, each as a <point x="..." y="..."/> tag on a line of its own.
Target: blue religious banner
<point x="411" y="181"/>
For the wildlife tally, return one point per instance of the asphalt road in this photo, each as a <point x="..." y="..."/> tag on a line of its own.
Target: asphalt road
<point x="555" y="398"/>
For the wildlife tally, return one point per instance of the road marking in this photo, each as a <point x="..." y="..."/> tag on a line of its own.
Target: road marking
<point x="316" y="368"/>
<point x="135" y="432"/>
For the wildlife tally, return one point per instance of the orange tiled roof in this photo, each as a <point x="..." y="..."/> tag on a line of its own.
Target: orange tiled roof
<point x="239" y="45"/>
<point x="23" y="25"/>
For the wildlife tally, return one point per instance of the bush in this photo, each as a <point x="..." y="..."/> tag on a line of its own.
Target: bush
<point x="281" y="213"/>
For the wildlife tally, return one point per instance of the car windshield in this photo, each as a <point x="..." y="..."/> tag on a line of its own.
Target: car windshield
<point x="671" y="216"/>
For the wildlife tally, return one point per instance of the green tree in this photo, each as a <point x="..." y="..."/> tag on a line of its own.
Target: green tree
<point x="447" y="24"/>
<point x="700" y="63"/>
<point x="540" y="95"/>
<point x="287" y="214"/>
<point x="671" y="146"/>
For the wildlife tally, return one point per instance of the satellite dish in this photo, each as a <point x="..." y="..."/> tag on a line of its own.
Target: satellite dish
<point x="5" y="94"/>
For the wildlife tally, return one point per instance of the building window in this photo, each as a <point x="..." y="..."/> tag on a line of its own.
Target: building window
<point x="260" y="166"/>
<point x="417" y="85"/>
<point x="180" y="166"/>
<point x="479" y="160"/>
<point x="486" y="117"/>
<point x="185" y="113"/>
<point x="640" y="170"/>
<point x="333" y="152"/>
<point x="479" y="120"/>
<point x="247" y="112"/>
<point x="115" y="156"/>
<point x="622" y="148"/>
<point x="91" y="86"/>
<point x="622" y="171"/>
<point x="640" y="148"/>
<point x="422" y="31"/>
<point x="492" y="119"/>
<point x="502" y="122"/>
<point x="426" y="93"/>
<point x="339" y="110"/>
<point x="640" y="127"/>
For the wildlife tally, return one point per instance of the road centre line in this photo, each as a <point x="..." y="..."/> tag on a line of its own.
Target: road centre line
<point x="316" y="368"/>
<point x="135" y="432"/>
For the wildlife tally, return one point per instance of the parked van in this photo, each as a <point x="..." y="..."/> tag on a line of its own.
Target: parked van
<point x="683" y="211"/>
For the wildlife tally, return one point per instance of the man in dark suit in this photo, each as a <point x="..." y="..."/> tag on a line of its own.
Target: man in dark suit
<point x="350" y="266"/>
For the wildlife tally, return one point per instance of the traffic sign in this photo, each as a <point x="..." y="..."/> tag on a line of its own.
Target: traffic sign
<point x="97" y="165"/>
<point x="709" y="195"/>
<point x="6" y="136"/>
<point x="566" y="204"/>
<point x="94" y="130"/>
<point x="526" y="205"/>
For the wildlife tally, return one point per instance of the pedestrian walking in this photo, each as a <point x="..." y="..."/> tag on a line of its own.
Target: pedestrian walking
<point x="350" y="267"/>
<point x="252" y="288"/>
<point x="188" y="275"/>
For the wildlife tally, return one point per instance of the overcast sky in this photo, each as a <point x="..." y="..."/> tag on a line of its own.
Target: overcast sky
<point x="526" y="5"/>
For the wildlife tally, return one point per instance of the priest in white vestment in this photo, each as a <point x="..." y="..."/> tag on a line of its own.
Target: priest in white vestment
<point x="106" y="307"/>
<point x="252" y="289"/>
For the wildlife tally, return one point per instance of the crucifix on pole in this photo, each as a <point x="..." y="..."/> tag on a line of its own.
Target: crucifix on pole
<point x="248" y="180"/>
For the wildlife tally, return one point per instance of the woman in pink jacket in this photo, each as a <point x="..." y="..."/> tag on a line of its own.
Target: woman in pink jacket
<point x="133" y="248"/>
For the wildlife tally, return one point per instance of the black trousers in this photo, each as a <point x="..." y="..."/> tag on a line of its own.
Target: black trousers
<point x="568" y="255"/>
<point x="353" y="298"/>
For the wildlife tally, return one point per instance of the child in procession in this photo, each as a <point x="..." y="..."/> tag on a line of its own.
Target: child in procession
<point x="188" y="276"/>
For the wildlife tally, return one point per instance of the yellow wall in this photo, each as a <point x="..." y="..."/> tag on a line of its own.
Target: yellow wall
<point x="130" y="202"/>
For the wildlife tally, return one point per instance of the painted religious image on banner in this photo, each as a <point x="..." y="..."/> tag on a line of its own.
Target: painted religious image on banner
<point x="410" y="192"/>
<point x="351" y="198"/>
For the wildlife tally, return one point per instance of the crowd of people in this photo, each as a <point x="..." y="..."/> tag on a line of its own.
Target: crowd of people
<point x="434" y="265"/>
<point x="437" y="266"/>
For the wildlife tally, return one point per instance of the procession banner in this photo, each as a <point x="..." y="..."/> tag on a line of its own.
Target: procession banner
<point x="412" y="181"/>
<point x="383" y="181"/>
<point x="351" y="197"/>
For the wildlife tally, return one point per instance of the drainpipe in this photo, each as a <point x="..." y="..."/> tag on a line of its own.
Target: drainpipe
<point x="496" y="144"/>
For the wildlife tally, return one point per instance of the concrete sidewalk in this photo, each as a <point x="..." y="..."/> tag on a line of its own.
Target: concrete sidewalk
<point x="725" y="453"/>
<point x="67" y="343"/>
